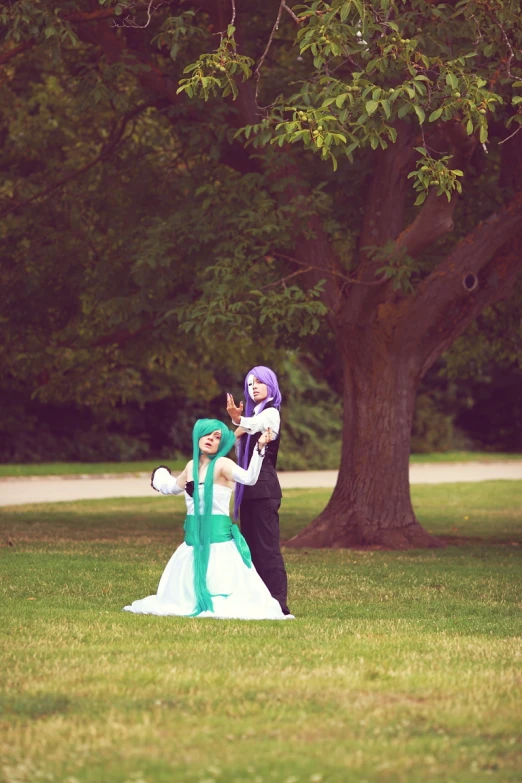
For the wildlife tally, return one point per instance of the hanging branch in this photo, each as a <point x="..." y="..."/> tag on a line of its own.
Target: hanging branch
<point x="224" y="33"/>
<point x="289" y="11"/>
<point x="8" y="54"/>
<point x="130" y="21"/>
<point x="233" y="2"/>
<point x="90" y="16"/>
<point x="511" y="136"/>
<point x="257" y="73"/>
<point x="105" y="151"/>
<point x="332" y="272"/>
<point x="283" y="280"/>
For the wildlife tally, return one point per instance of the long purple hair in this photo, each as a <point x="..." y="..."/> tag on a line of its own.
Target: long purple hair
<point x="268" y="377"/>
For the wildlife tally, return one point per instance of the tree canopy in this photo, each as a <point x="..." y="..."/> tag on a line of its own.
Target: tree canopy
<point x="183" y="177"/>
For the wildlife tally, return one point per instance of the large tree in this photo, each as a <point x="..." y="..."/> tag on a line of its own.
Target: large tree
<point x="347" y="168"/>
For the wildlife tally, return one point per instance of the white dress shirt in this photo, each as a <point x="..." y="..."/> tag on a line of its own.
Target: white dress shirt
<point x="259" y="422"/>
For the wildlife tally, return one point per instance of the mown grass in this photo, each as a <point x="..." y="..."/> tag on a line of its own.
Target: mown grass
<point x="178" y="463"/>
<point x="400" y="666"/>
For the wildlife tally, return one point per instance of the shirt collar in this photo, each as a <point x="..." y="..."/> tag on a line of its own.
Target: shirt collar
<point x="256" y="408"/>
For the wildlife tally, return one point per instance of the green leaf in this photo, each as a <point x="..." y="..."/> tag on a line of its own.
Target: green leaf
<point x="452" y="80"/>
<point x="421" y="198"/>
<point x="483" y="136"/>
<point x="371" y="107"/>
<point x="435" y="115"/>
<point x="419" y="112"/>
<point x="469" y="127"/>
<point x="340" y="100"/>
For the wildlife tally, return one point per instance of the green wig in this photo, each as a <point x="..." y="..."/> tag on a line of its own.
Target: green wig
<point x="203" y="521"/>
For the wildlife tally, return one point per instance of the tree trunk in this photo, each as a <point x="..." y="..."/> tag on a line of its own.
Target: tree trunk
<point x="371" y="504"/>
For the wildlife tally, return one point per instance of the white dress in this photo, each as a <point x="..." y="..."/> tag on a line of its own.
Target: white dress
<point x="244" y="595"/>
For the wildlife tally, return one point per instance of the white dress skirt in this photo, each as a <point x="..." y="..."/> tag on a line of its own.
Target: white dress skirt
<point x="238" y="592"/>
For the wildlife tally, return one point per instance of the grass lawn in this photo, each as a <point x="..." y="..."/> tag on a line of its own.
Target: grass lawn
<point x="400" y="666"/>
<point x="146" y="466"/>
<point x="88" y="468"/>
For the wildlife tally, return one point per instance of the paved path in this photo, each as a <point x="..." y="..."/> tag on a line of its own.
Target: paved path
<point x="18" y="491"/>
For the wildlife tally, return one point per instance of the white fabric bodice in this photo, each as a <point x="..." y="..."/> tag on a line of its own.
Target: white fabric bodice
<point x="220" y="500"/>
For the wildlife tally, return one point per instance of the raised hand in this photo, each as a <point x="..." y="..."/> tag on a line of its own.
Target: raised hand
<point x="233" y="410"/>
<point x="154" y="473"/>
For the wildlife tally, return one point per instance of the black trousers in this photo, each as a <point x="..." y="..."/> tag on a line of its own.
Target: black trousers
<point x="260" y="527"/>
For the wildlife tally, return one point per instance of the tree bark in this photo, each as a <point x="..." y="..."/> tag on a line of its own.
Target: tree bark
<point x="371" y="504"/>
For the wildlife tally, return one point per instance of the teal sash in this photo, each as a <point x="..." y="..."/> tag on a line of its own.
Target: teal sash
<point x="222" y="529"/>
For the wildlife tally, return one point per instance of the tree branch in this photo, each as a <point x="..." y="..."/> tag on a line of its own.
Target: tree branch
<point x="311" y="245"/>
<point x="122" y="336"/>
<point x="315" y="251"/>
<point x="130" y="21"/>
<point x="257" y="73"/>
<point x="154" y="80"/>
<point x="90" y="16"/>
<point x="433" y="221"/>
<point x="445" y="284"/>
<point x="497" y="279"/>
<point x="290" y="12"/>
<point x="105" y="151"/>
<point x="8" y="54"/>
<point x="333" y="272"/>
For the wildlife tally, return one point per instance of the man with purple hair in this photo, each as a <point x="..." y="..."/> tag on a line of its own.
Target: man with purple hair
<point x="258" y="506"/>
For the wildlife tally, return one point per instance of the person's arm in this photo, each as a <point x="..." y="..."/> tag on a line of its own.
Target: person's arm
<point x="163" y="481"/>
<point x="269" y="418"/>
<point x="249" y="477"/>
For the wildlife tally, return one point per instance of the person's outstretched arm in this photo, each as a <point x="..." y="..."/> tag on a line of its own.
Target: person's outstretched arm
<point x="163" y="481"/>
<point x="233" y="472"/>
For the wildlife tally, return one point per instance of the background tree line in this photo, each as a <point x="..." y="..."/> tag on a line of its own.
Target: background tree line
<point x="184" y="180"/>
<point x="452" y="413"/>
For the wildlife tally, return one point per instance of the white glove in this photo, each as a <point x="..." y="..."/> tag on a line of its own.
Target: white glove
<point x="163" y="481"/>
<point x="251" y="475"/>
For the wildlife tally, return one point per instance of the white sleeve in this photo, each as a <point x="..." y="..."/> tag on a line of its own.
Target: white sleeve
<point x="250" y="476"/>
<point x="270" y="417"/>
<point x="165" y="483"/>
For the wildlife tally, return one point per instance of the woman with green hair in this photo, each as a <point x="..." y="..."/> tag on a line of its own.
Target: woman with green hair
<point x="211" y="573"/>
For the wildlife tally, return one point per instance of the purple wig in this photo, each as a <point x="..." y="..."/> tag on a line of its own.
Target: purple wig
<point x="269" y="378"/>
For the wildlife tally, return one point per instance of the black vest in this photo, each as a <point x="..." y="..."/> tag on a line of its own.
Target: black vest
<point x="267" y="485"/>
